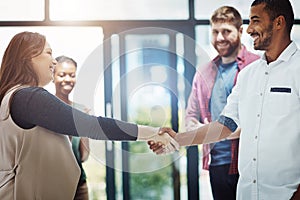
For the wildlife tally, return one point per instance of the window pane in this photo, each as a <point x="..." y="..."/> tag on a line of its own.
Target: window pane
<point x="204" y="12"/>
<point x="243" y="6"/>
<point x="118" y="9"/>
<point x="296" y="7"/>
<point x="20" y="10"/>
<point x="149" y="103"/>
<point x="296" y="34"/>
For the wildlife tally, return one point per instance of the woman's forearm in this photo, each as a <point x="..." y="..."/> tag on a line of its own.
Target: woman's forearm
<point x="37" y="107"/>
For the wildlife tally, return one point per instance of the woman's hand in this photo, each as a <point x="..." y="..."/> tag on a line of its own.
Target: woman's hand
<point x="160" y="148"/>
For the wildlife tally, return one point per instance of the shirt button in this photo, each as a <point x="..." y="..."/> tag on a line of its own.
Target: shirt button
<point x="258" y="115"/>
<point x="254" y="181"/>
<point x="266" y="73"/>
<point x="254" y="159"/>
<point x="255" y="137"/>
<point x="261" y="94"/>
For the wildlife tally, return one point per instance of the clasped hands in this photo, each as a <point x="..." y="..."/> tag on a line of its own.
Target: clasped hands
<point x="160" y="140"/>
<point x="166" y="142"/>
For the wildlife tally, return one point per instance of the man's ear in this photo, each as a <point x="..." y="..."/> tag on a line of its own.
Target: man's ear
<point x="279" y="22"/>
<point x="241" y="29"/>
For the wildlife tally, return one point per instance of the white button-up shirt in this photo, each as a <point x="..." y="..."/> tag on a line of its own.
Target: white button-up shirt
<point x="265" y="103"/>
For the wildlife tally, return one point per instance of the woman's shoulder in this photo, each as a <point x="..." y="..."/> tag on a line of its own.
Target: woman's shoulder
<point x="31" y="89"/>
<point x="30" y="92"/>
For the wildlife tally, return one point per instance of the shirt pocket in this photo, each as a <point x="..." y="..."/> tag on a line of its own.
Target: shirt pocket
<point x="282" y="101"/>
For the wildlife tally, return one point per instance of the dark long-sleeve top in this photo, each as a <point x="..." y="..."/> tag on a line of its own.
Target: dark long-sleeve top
<point x="35" y="106"/>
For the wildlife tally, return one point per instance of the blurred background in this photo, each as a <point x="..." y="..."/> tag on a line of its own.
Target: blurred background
<point x="136" y="60"/>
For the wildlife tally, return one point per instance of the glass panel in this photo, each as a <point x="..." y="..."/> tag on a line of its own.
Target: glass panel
<point x="181" y="81"/>
<point x="296" y="34"/>
<point x="205" y="12"/>
<point x="116" y="95"/>
<point x="149" y="103"/>
<point x="296" y="7"/>
<point x="243" y="6"/>
<point x="64" y="41"/>
<point x="20" y="10"/>
<point x="118" y="9"/>
<point x="181" y="163"/>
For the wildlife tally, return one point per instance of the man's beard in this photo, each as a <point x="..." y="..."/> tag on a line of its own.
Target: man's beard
<point x="265" y="43"/>
<point x="230" y="50"/>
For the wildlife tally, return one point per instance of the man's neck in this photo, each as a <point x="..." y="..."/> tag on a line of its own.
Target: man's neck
<point x="274" y="52"/>
<point x="226" y="60"/>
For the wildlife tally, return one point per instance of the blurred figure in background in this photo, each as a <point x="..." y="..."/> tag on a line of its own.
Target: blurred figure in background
<point x="64" y="79"/>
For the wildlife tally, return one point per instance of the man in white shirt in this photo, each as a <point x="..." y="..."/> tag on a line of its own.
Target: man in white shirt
<point x="265" y="104"/>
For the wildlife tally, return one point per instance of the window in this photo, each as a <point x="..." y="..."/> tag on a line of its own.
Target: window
<point x="203" y="10"/>
<point x="20" y="10"/>
<point x="118" y="9"/>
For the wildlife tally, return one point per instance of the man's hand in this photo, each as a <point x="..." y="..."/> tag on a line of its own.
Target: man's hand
<point x="160" y="137"/>
<point x="160" y="148"/>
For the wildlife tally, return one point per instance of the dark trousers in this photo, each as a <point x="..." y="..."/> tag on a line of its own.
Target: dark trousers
<point x="223" y="185"/>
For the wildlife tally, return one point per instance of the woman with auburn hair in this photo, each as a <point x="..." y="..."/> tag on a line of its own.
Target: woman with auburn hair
<point x="36" y="159"/>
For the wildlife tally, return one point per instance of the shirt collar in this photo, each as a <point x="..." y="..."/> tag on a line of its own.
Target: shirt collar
<point x="286" y="54"/>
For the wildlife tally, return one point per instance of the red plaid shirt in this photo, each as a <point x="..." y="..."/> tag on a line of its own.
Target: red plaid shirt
<point x="198" y="103"/>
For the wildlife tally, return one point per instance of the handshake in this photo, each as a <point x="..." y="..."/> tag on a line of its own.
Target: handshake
<point x="165" y="140"/>
<point x="160" y="140"/>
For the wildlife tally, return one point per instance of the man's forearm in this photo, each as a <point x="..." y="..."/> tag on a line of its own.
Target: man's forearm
<point x="212" y="132"/>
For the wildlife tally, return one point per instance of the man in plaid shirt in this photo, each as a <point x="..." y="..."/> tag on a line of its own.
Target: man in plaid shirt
<point x="211" y="86"/>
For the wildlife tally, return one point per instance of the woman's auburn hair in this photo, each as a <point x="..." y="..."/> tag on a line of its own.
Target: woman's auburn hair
<point x="16" y="67"/>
